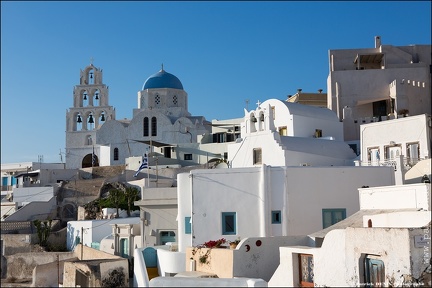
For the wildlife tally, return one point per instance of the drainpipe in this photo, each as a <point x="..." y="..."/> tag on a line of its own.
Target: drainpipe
<point x="191" y="209"/>
<point x="338" y="100"/>
<point x="285" y="210"/>
<point x="263" y="204"/>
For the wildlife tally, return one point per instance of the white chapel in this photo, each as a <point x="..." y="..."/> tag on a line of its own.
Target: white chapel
<point x="161" y="119"/>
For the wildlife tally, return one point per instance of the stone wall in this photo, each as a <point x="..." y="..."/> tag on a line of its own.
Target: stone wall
<point x="17" y="243"/>
<point x="50" y="274"/>
<point x="21" y="265"/>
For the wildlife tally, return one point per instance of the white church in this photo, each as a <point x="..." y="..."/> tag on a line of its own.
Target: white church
<point x="161" y="119"/>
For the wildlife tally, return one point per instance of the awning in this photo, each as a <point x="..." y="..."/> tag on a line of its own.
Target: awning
<point x="375" y="58"/>
<point x="30" y="174"/>
<point x="155" y="143"/>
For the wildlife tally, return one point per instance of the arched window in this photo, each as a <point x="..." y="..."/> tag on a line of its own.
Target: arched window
<point x="116" y="154"/>
<point x="146" y="126"/>
<point x="153" y="126"/>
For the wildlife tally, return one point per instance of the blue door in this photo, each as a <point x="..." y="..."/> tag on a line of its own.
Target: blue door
<point x="124" y="248"/>
<point x="150" y="257"/>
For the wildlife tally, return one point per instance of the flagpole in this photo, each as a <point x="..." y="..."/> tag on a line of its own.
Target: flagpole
<point x="148" y="166"/>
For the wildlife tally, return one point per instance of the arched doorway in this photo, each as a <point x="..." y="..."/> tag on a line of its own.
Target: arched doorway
<point x="88" y="161"/>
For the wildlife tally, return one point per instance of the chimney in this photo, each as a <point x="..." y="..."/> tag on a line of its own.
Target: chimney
<point x="377" y="41"/>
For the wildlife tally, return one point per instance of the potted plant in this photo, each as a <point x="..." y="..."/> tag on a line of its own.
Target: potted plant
<point x="233" y="244"/>
<point x="204" y="258"/>
<point x="403" y="112"/>
<point x="215" y="243"/>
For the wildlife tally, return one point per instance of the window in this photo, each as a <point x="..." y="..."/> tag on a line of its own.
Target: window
<point x="283" y="131"/>
<point x="153" y="126"/>
<point x="318" y="133"/>
<point x="257" y="156"/>
<point x="393" y="151"/>
<point x="374" y="154"/>
<point x="374" y="271"/>
<point x="276" y="217"/>
<point x="229" y="223"/>
<point x="187" y="156"/>
<point x="157" y="100"/>
<point x="146" y="126"/>
<point x="188" y="225"/>
<point x="167" y="236"/>
<point x="413" y="152"/>
<point x="175" y="100"/>
<point x="306" y="264"/>
<point x="379" y="108"/>
<point x="332" y="216"/>
<point x="116" y="154"/>
<point x="273" y="112"/>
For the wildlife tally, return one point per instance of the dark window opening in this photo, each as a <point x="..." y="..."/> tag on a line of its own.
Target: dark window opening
<point x="116" y="154"/>
<point x="146" y="126"/>
<point x="153" y="126"/>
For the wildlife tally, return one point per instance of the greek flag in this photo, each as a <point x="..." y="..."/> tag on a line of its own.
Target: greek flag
<point x="143" y="165"/>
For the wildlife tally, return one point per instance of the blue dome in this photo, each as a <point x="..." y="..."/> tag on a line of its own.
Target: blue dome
<point x="162" y="79"/>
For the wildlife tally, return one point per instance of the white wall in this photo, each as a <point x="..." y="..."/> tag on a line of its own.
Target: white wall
<point x="415" y="196"/>
<point x="402" y="219"/>
<point x="357" y="87"/>
<point x="349" y="247"/>
<point x="312" y="189"/>
<point x="300" y="193"/>
<point x="8" y="208"/>
<point x="35" y="210"/>
<point x="400" y="131"/>
<point x="94" y="230"/>
<point x="339" y="261"/>
<point x="26" y="195"/>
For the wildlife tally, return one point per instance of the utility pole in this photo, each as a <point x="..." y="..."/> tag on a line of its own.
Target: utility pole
<point x="82" y="243"/>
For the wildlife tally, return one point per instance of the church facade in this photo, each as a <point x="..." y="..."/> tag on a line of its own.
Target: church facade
<point x="95" y="138"/>
<point x="89" y="112"/>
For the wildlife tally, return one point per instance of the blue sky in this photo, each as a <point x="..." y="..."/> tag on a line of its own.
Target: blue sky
<point x="223" y="53"/>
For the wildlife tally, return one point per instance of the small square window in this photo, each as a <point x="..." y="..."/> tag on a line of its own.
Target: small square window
<point x="188" y="225"/>
<point x="332" y="216"/>
<point x="276" y="217"/>
<point x="229" y="223"/>
<point x="187" y="156"/>
<point x="257" y="156"/>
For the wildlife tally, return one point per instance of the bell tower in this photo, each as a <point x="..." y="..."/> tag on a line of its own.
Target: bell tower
<point x="89" y="112"/>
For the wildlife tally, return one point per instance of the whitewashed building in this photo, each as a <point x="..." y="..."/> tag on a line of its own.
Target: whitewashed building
<point x="386" y="244"/>
<point x="377" y="83"/>
<point x="409" y="137"/>
<point x="91" y="232"/>
<point x="268" y="201"/>
<point x="281" y="133"/>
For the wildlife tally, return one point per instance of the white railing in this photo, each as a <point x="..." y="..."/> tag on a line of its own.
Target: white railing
<point x="407" y="163"/>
